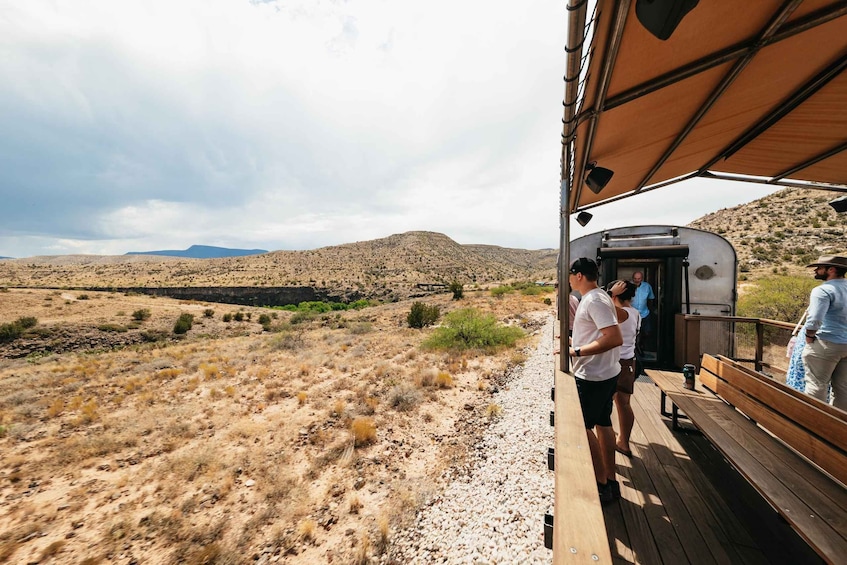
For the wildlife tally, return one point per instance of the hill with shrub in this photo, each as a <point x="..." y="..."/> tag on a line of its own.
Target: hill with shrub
<point x="391" y="268"/>
<point x="780" y="233"/>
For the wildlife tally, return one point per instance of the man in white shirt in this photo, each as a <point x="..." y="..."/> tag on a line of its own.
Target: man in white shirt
<point x="595" y="365"/>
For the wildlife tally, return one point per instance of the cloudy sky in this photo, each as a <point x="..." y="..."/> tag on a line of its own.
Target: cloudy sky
<point x="286" y="124"/>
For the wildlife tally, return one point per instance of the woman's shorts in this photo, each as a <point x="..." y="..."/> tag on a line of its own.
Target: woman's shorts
<point x="626" y="378"/>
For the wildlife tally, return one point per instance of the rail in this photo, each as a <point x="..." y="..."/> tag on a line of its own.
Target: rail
<point x="759" y="343"/>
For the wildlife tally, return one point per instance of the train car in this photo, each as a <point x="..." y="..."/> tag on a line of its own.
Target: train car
<point x="691" y="271"/>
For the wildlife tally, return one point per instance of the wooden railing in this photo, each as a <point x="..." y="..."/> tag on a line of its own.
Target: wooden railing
<point x="758" y="342"/>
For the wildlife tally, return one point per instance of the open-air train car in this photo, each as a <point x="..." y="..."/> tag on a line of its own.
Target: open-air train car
<point x="691" y="271"/>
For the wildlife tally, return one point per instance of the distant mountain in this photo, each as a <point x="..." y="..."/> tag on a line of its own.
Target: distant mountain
<point x="393" y="267"/>
<point x="6" y="257"/>
<point x="203" y="252"/>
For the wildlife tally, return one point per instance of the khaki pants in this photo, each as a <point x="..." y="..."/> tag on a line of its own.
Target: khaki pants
<point x="826" y="364"/>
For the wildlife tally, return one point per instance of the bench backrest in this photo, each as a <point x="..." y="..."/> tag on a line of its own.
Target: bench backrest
<point x="812" y="428"/>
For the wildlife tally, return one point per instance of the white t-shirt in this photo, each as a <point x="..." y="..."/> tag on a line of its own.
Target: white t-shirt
<point x="629" y="330"/>
<point x="594" y="313"/>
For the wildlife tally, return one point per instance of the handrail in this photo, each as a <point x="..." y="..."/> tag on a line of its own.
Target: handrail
<point x="579" y="529"/>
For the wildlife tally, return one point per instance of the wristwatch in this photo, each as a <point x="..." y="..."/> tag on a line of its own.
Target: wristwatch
<point x="576" y="351"/>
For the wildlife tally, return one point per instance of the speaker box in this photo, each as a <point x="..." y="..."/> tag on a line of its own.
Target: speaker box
<point x="660" y="17"/>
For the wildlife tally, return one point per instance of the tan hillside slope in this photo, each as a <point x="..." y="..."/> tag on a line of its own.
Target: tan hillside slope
<point x="389" y="267"/>
<point x="782" y="232"/>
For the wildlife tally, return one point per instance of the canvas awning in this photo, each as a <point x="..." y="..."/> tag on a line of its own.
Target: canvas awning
<point x="749" y="90"/>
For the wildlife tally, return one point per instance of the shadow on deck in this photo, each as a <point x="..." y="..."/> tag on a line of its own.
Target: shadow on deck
<point x="683" y="503"/>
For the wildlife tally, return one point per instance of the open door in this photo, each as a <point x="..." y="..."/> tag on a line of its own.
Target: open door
<point x="660" y="271"/>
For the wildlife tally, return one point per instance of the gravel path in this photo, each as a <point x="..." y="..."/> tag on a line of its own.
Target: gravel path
<point x="494" y="515"/>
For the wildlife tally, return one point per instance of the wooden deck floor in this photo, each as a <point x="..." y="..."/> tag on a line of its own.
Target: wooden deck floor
<point x="683" y="503"/>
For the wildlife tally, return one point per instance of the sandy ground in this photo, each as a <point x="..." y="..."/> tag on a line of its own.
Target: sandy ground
<point x="312" y="443"/>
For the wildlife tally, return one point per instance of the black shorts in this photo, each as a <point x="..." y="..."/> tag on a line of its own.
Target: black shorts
<point x="595" y="398"/>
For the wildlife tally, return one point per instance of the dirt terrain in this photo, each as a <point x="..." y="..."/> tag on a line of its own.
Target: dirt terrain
<point x="309" y="443"/>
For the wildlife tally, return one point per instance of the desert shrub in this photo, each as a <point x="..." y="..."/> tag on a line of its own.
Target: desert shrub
<point x="265" y="321"/>
<point x="500" y="291"/>
<point x="14" y="330"/>
<point x="422" y="315"/>
<point x="27" y="322"/>
<point x="303" y="316"/>
<point x="238" y="317"/>
<point x="363" y="430"/>
<point x="208" y="313"/>
<point x="183" y="323"/>
<point x="117" y="328"/>
<point x="403" y="397"/>
<point x="152" y="336"/>
<point x="227" y="317"/>
<point x="534" y="290"/>
<point x="471" y="329"/>
<point x="777" y="298"/>
<point x="10" y="332"/>
<point x="361" y="328"/>
<point x="547" y="301"/>
<point x="444" y="380"/>
<point x="457" y="289"/>
<point x="287" y="340"/>
<point x="83" y="297"/>
<point x="141" y="314"/>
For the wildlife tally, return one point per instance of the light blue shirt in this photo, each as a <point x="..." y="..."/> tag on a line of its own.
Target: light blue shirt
<point x="828" y="311"/>
<point x="643" y="293"/>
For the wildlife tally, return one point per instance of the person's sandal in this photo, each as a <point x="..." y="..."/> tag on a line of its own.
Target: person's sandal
<point x="623" y="452"/>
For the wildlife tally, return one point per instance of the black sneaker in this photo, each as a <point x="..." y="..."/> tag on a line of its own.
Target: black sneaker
<point x="616" y="489"/>
<point x="606" y="494"/>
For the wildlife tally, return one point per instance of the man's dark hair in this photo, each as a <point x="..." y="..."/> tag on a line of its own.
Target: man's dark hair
<point x="587" y="267"/>
<point x="840" y="272"/>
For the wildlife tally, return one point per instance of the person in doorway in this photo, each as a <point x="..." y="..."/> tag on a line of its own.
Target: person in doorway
<point x="630" y="322"/>
<point x="595" y="354"/>
<point x="825" y="354"/>
<point x="643" y="301"/>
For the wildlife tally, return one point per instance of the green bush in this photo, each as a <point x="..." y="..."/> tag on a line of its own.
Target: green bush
<point x="26" y="322"/>
<point x="183" y="323"/>
<point x="264" y="319"/>
<point x="141" y="314"/>
<point x="502" y="290"/>
<point x="238" y="317"/>
<point x="14" y="330"/>
<point x="777" y="298"/>
<point x="534" y="290"/>
<point x="10" y="332"/>
<point x="471" y="329"/>
<point x="227" y="317"/>
<point x="422" y="315"/>
<point x="457" y="289"/>
<point x="208" y="313"/>
<point x="117" y="328"/>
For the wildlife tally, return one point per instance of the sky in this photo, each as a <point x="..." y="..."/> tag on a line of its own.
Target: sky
<point x="289" y="124"/>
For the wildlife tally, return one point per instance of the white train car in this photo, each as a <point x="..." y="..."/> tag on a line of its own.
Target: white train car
<point x="691" y="271"/>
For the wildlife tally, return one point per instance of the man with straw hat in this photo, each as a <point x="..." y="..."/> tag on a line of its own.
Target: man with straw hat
<point x="825" y="354"/>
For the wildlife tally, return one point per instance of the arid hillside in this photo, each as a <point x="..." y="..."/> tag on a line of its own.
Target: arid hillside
<point x="782" y="232"/>
<point x="389" y="268"/>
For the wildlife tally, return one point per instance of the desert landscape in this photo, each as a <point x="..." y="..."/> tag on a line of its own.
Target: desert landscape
<point x="311" y="439"/>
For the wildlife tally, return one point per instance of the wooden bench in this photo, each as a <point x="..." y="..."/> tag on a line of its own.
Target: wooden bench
<point x="790" y="447"/>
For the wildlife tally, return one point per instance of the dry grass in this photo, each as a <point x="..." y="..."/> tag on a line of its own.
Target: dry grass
<point x="146" y="447"/>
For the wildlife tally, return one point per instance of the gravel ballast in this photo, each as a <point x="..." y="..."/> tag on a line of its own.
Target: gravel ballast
<point x="494" y="514"/>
